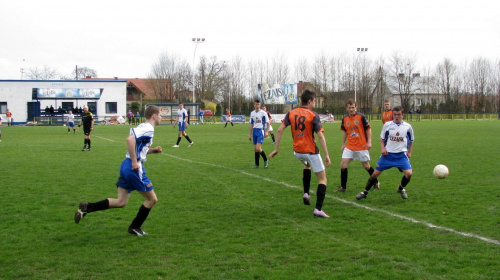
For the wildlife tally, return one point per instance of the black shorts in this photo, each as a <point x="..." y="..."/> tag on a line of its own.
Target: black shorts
<point x="86" y="130"/>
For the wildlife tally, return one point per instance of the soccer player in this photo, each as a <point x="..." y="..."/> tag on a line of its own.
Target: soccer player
<point x="181" y="121"/>
<point x="387" y="114"/>
<point x="9" y="117"/>
<point x="228" y="118"/>
<point x="258" y="131"/>
<point x="132" y="174"/>
<point x="270" y="123"/>
<point x="304" y="122"/>
<point x="396" y="140"/>
<point x="70" y="122"/>
<point x="88" y="126"/>
<point x="356" y="142"/>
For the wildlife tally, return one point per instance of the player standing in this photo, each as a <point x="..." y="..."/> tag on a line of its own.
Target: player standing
<point x="9" y="117"/>
<point x="396" y="140"/>
<point x="132" y="174"/>
<point x="88" y="126"/>
<point x="228" y="118"/>
<point x="181" y="121"/>
<point x="258" y="131"/>
<point x="304" y="122"/>
<point x="387" y="114"/>
<point x="70" y="122"/>
<point x="356" y="143"/>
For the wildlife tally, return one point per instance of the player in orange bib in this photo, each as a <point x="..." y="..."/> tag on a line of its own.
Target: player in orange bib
<point x="356" y="142"/>
<point x="387" y="114"/>
<point x="304" y="122"/>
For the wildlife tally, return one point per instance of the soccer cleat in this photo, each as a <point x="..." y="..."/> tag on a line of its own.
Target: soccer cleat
<point x="274" y="142"/>
<point x="376" y="187"/>
<point x="320" y="214"/>
<point x="361" y="195"/>
<point x="403" y="193"/>
<point x="81" y="212"/>
<point x="137" y="231"/>
<point x="88" y="149"/>
<point x="307" y="199"/>
<point x="255" y="166"/>
<point x="83" y="150"/>
<point x="266" y="164"/>
<point x="340" y="189"/>
<point x="191" y="144"/>
<point x="175" y="146"/>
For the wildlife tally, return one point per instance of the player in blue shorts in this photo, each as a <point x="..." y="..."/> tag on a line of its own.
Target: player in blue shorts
<point x="397" y="144"/>
<point x="258" y="131"/>
<point x="132" y="174"/>
<point x="70" y="121"/>
<point x="182" y="117"/>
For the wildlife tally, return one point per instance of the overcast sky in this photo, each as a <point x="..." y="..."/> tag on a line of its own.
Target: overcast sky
<point x="124" y="38"/>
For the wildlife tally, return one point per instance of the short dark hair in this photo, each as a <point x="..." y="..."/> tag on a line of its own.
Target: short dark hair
<point x="351" y="102"/>
<point x="306" y="96"/>
<point x="150" y="111"/>
<point x="256" y="101"/>
<point x="398" y="109"/>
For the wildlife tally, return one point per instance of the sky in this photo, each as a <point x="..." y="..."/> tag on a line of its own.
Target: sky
<point x="125" y="38"/>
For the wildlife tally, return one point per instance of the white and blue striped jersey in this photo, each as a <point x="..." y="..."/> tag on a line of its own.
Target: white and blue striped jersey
<point x="181" y="115"/>
<point x="259" y="119"/>
<point x="143" y="134"/>
<point x="397" y="137"/>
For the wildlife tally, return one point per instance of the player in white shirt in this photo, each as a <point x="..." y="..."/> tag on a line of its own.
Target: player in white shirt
<point x="396" y="140"/>
<point x="269" y="124"/>
<point x="132" y="174"/>
<point x="181" y="121"/>
<point x="70" y="122"/>
<point x="258" y="131"/>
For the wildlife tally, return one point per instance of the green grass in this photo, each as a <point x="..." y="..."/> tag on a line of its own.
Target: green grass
<point x="217" y="218"/>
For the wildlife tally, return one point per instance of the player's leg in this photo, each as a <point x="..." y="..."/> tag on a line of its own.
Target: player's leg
<point x="179" y="135"/>
<point x="344" y="164"/>
<point x="306" y="183"/>
<point x="187" y="138"/>
<point x="143" y="213"/>
<point x="370" y="170"/>
<point x="404" y="182"/>
<point x="371" y="181"/>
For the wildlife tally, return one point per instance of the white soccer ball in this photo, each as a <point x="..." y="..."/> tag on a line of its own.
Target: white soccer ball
<point x="441" y="171"/>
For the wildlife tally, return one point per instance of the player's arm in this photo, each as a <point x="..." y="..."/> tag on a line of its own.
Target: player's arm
<point x="322" y="142"/>
<point x="278" y="140"/>
<point x="410" y="148"/>
<point x="266" y="133"/>
<point x="131" y="152"/>
<point x="250" y="132"/>
<point x="382" y="147"/>
<point x="156" y="150"/>
<point x="344" y="140"/>
<point x="92" y="124"/>
<point x="368" y="139"/>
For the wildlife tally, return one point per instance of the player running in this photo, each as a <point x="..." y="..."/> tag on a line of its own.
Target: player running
<point x="304" y="122"/>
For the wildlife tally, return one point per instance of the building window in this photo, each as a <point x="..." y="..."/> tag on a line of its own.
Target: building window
<point x="3" y="107"/>
<point x="67" y="106"/>
<point x="419" y="101"/>
<point x="111" y="108"/>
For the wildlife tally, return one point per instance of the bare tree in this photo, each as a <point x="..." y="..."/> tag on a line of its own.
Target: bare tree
<point x="445" y="75"/>
<point x="45" y="73"/>
<point x="480" y="73"/>
<point x="302" y="70"/>
<point x="83" y="72"/>
<point x="210" y="77"/>
<point x="402" y="68"/>
<point x="168" y="76"/>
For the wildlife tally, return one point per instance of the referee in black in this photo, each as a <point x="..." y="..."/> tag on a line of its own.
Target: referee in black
<point x="88" y="125"/>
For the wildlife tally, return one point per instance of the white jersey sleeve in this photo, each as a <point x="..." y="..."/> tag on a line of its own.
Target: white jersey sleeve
<point x="259" y="119"/>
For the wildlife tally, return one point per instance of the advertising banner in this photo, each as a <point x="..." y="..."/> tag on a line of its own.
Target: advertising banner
<point x="278" y="93"/>
<point x="69" y="93"/>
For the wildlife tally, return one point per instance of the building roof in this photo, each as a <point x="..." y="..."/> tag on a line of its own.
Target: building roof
<point x="141" y="85"/>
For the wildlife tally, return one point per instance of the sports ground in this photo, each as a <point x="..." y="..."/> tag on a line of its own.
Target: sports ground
<point x="217" y="218"/>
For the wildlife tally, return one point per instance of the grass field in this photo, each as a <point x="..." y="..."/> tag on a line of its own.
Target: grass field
<point x="217" y="218"/>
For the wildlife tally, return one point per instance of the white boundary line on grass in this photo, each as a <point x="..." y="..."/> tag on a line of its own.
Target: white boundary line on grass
<point x="427" y="224"/>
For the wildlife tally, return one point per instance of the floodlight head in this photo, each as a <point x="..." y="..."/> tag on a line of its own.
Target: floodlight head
<point x="194" y="39"/>
<point x="358" y="49"/>
<point x="203" y="39"/>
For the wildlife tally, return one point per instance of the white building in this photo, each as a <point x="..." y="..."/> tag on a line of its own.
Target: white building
<point x="28" y="99"/>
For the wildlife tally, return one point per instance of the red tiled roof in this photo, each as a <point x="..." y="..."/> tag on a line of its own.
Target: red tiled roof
<point x="142" y="85"/>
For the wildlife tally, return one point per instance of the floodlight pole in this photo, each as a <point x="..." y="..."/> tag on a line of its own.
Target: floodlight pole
<point x="196" y="41"/>
<point x="360" y="51"/>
